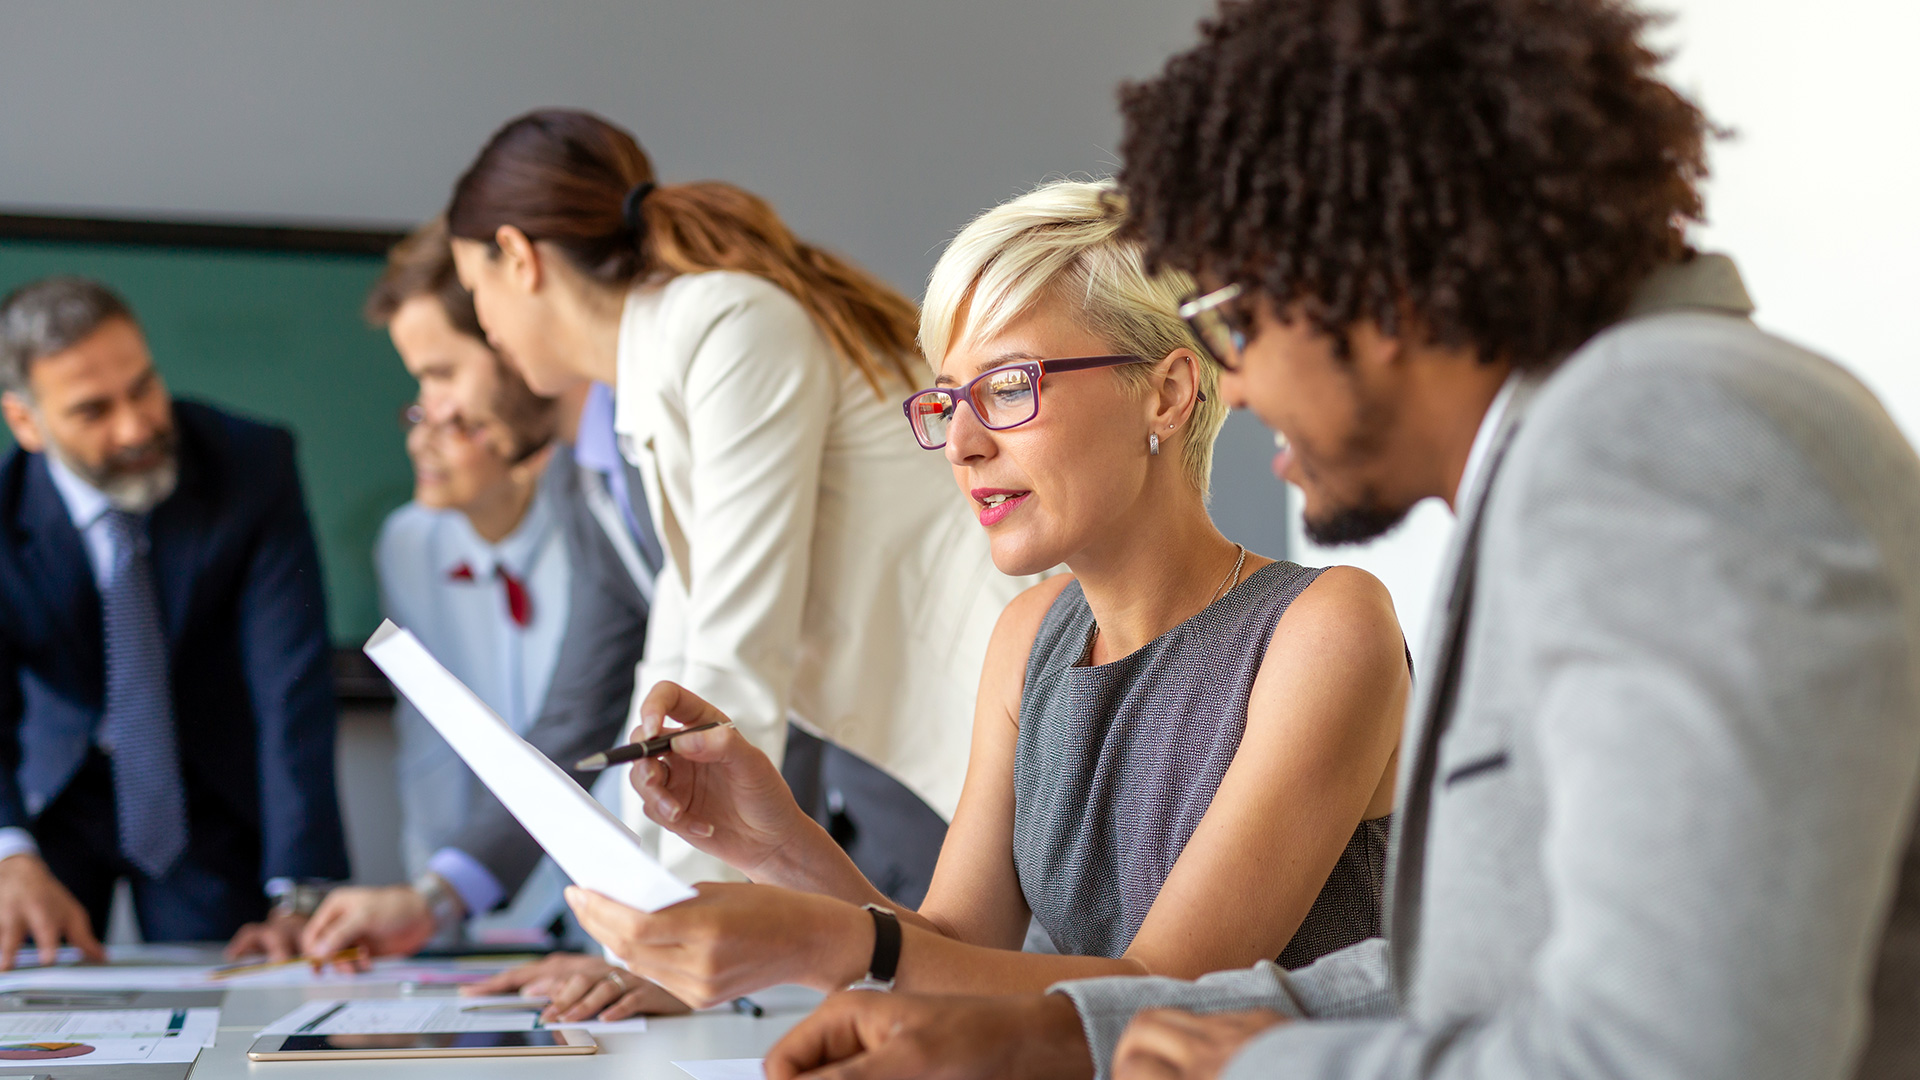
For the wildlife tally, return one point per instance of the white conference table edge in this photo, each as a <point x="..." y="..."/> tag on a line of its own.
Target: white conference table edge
<point x="714" y="1033"/>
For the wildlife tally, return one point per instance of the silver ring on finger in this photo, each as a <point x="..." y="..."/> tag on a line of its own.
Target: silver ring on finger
<point x="619" y="980"/>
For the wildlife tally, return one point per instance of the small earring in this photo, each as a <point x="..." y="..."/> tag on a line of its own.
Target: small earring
<point x="1153" y="443"/>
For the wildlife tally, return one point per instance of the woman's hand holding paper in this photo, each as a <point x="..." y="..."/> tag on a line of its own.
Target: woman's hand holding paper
<point x="733" y="939"/>
<point x="718" y="792"/>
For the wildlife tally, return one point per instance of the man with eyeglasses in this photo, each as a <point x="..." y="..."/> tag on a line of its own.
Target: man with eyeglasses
<point x="166" y="704"/>
<point x="1655" y="814"/>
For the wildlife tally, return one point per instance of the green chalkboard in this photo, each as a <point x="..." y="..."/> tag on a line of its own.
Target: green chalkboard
<point x="275" y="335"/>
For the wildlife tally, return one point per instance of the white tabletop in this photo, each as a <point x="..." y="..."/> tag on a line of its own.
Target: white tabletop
<point x="638" y="1056"/>
<point x="720" y="1033"/>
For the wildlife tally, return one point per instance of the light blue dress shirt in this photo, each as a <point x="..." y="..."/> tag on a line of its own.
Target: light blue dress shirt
<point x="87" y="506"/>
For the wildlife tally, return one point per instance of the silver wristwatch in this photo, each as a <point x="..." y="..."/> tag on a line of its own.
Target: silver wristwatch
<point x="445" y="904"/>
<point x="300" y="898"/>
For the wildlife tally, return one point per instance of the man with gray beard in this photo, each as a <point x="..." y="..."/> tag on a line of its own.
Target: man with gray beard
<point x="166" y="709"/>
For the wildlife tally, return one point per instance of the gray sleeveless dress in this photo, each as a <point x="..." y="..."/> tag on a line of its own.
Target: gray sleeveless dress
<point x="1116" y="764"/>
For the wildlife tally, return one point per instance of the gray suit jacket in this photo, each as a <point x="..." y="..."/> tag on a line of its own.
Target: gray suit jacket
<point x="592" y="684"/>
<point x="1656" y="807"/>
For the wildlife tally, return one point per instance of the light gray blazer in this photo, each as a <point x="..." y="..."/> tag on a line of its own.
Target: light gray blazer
<point x="1656" y="804"/>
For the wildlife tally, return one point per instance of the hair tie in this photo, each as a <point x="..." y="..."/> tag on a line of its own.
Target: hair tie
<point x="630" y="207"/>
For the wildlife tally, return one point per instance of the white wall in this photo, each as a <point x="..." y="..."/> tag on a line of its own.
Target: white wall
<point x="876" y="126"/>
<point x="1818" y="197"/>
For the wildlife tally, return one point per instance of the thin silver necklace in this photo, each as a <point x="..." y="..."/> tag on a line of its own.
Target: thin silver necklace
<point x="1232" y="578"/>
<point x="1225" y="587"/>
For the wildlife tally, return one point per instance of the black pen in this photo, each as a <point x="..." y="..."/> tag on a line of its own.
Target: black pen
<point x="748" y="1007"/>
<point x="314" y="1024"/>
<point x="645" y="748"/>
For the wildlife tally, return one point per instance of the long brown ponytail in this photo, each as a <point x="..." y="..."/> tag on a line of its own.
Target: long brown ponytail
<point x="563" y="177"/>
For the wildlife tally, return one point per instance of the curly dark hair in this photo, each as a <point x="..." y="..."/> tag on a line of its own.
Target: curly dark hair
<point x="1505" y="170"/>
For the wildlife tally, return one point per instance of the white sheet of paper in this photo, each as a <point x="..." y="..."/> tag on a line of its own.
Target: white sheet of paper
<point x="724" y="1069"/>
<point x="372" y="1016"/>
<point x="110" y="1037"/>
<point x="592" y="846"/>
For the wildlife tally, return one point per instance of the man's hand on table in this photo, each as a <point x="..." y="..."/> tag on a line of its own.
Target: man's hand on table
<point x="389" y="920"/>
<point x="862" y="1035"/>
<point x="1167" y="1044"/>
<point x="34" y="904"/>
<point x="277" y="938"/>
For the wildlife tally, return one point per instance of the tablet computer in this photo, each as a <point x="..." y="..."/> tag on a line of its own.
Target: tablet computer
<point x="540" y="1042"/>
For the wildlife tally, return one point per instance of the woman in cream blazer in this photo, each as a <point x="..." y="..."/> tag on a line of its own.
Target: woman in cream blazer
<point x="817" y="564"/>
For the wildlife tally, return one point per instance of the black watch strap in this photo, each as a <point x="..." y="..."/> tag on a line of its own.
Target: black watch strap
<point x="886" y="949"/>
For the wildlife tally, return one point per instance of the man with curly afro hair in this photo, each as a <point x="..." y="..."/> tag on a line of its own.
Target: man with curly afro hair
<point x="1655" y="807"/>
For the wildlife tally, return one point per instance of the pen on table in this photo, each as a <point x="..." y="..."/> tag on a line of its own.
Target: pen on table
<point x="645" y="748"/>
<point x="344" y="956"/>
<point x="314" y="1024"/>
<point x="748" y="1007"/>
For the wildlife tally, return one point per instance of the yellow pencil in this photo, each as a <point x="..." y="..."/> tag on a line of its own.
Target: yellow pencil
<point x="344" y="956"/>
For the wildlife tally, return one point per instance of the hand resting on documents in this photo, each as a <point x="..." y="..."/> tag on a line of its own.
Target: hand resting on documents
<point x="384" y="920"/>
<point x="391" y="920"/>
<point x="581" y="988"/>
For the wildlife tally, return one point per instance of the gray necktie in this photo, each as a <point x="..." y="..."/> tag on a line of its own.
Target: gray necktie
<point x="137" y="728"/>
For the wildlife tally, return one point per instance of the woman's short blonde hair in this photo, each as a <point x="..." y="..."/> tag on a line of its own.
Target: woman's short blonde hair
<point x="1062" y="240"/>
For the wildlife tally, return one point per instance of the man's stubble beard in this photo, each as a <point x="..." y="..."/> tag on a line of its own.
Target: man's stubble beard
<point x="1368" y="516"/>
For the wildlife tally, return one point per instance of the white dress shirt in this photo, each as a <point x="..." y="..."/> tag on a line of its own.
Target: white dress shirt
<point x="437" y="579"/>
<point x="1483" y="436"/>
<point x="818" y="564"/>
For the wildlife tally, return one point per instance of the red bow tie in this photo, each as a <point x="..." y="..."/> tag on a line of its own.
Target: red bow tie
<point x="519" y="602"/>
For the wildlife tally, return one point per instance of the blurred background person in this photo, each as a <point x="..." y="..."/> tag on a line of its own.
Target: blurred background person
<point x="477" y="567"/>
<point x="571" y="559"/>
<point x="166" y="707"/>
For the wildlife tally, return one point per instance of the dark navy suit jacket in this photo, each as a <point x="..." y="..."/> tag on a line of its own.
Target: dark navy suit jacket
<point x="238" y="577"/>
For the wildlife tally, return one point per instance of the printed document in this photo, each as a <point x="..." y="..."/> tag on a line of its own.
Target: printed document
<point x="593" y="847"/>
<point x="107" y="1037"/>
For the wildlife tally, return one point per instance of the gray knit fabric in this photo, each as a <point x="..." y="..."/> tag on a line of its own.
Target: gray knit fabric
<point x="1116" y="764"/>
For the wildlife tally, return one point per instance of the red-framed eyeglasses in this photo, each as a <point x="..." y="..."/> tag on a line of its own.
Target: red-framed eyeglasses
<point x="1003" y="397"/>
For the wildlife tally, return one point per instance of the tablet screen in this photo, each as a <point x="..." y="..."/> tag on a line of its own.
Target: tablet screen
<point x="428" y="1040"/>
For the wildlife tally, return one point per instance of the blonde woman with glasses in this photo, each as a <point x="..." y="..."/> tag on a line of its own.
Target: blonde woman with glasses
<point x="1182" y="753"/>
